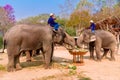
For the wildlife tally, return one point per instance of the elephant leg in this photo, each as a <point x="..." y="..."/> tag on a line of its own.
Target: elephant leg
<point x="98" y="51"/>
<point x="91" y="49"/>
<point x="52" y="52"/>
<point x="47" y="49"/>
<point x="98" y="55"/>
<point x="105" y="53"/>
<point x="11" y="59"/>
<point x="43" y="53"/>
<point x="28" y="55"/>
<point x="112" y="54"/>
<point x="33" y="53"/>
<point x="17" y="62"/>
<point x="10" y="66"/>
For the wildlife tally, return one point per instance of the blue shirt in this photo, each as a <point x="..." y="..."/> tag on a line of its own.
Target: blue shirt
<point x="51" y="21"/>
<point x="92" y="26"/>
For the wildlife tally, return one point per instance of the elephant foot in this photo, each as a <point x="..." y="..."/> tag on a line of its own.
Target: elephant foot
<point x="18" y="67"/>
<point x="28" y="60"/>
<point x="98" y="60"/>
<point x="11" y="69"/>
<point x="112" y="59"/>
<point x="104" y="57"/>
<point x="32" y="59"/>
<point x="92" y="58"/>
<point x="47" y="67"/>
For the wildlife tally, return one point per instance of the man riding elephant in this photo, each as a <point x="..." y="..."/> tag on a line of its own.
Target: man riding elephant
<point x="52" y="23"/>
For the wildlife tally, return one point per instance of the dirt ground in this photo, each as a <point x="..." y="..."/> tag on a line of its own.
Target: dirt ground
<point x="104" y="70"/>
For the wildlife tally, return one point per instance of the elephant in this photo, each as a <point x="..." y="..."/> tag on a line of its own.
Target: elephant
<point x="59" y="35"/>
<point x="25" y="37"/>
<point x="103" y="39"/>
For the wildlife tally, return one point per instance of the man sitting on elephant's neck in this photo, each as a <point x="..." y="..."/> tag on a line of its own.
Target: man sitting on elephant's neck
<point x="92" y="26"/>
<point x="52" y="23"/>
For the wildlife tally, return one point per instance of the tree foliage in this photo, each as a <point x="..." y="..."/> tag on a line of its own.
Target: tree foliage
<point x="79" y="19"/>
<point x="78" y="16"/>
<point x="7" y="18"/>
<point x="84" y="5"/>
<point x="10" y="13"/>
<point x="89" y="9"/>
<point x="81" y="15"/>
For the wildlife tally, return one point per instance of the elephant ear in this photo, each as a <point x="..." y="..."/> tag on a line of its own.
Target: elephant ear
<point x="56" y="33"/>
<point x="59" y="36"/>
<point x="87" y="33"/>
<point x="92" y="38"/>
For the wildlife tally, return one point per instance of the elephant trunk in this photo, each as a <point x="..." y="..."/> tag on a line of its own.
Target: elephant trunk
<point x="79" y="41"/>
<point x="70" y="41"/>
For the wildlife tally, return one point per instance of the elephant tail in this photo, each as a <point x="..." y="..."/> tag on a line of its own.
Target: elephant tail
<point x="4" y="43"/>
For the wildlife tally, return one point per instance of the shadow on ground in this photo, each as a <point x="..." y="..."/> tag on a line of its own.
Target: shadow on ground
<point x="38" y="62"/>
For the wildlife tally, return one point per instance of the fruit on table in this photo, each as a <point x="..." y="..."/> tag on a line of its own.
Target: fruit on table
<point x="79" y="50"/>
<point x="82" y="50"/>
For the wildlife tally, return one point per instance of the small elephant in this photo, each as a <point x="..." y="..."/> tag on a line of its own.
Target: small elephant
<point x="103" y="39"/>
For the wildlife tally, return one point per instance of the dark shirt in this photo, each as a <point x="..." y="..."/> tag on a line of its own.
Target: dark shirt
<point x="92" y="26"/>
<point x="51" y="21"/>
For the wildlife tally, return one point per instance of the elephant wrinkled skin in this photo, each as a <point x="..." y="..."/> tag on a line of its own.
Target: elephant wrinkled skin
<point x="24" y="37"/>
<point x="104" y="39"/>
<point x="60" y="37"/>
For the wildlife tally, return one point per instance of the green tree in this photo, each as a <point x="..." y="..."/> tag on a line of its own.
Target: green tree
<point x="79" y="19"/>
<point x="116" y="9"/>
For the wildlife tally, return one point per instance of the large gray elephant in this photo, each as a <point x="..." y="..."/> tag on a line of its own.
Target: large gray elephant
<point x="102" y="39"/>
<point x="60" y="37"/>
<point x="25" y="37"/>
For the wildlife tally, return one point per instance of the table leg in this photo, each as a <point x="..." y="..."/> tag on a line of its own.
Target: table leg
<point x="74" y="58"/>
<point x="81" y="59"/>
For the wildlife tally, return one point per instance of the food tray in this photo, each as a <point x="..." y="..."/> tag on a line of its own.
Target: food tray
<point x="78" y="52"/>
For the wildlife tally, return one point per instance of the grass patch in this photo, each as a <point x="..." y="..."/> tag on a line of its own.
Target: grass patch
<point x="83" y="77"/>
<point x="2" y="68"/>
<point x="56" y="65"/>
<point x="37" y="62"/>
<point x="1" y="41"/>
<point x="47" y="78"/>
<point x="64" y="76"/>
<point x="31" y="64"/>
